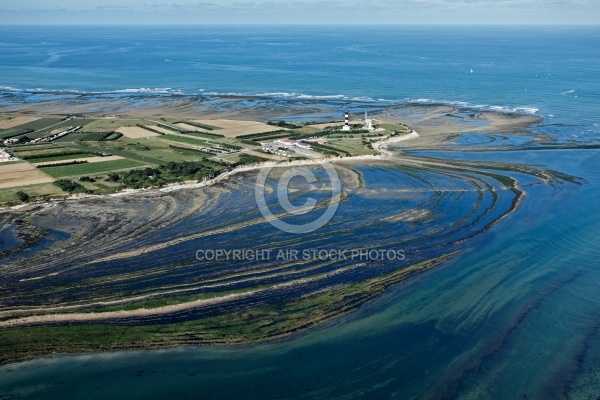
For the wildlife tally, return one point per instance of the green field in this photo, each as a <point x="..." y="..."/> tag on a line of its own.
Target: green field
<point x="89" y="169"/>
<point x="32" y="150"/>
<point x="60" y="127"/>
<point x="111" y="124"/>
<point x="183" y="139"/>
<point x="395" y="127"/>
<point x="89" y="137"/>
<point x="184" y="154"/>
<point x="151" y="150"/>
<point x="42" y="127"/>
<point x="35" y="125"/>
<point x="59" y="158"/>
<point x="101" y="186"/>
<point x="204" y="135"/>
<point x="124" y="149"/>
<point x="351" y="146"/>
<point x="8" y="195"/>
<point x="159" y="151"/>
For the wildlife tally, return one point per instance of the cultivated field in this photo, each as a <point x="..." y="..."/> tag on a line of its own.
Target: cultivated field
<point x="21" y="174"/>
<point x="43" y="189"/>
<point x="189" y="127"/>
<point x="135" y="132"/>
<point x="111" y="124"/>
<point x="184" y="139"/>
<point x="88" y="159"/>
<point x="32" y="150"/>
<point x="12" y="122"/>
<point x="91" y="168"/>
<point x="56" y="158"/>
<point x="232" y="128"/>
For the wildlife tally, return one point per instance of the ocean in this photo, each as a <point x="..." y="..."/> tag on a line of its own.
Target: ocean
<point x="516" y="315"/>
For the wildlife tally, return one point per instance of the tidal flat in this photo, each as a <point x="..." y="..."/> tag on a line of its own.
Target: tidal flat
<point x="121" y="273"/>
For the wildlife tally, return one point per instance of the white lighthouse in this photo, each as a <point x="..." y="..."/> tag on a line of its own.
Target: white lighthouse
<point x="346" y="127"/>
<point x="368" y="123"/>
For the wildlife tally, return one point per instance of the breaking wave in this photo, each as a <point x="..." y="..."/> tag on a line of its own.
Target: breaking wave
<point x="289" y="96"/>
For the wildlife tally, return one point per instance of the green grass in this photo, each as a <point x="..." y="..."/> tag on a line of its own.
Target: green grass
<point x="352" y="146"/>
<point x="203" y="135"/>
<point x="394" y="127"/>
<point x="117" y="149"/>
<point x="191" y="154"/>
<point x="36" y="125"/>
<point x="88" y="137"/>
<point x="59" y="158"/>
<point x="35" y="150"/>
<point x="90" y="168"/>
<point x="43" y="132"/>
<point x="183" y="139"/>
<point x="166" y="155"/>
<point x="154" y="149"/>
<point x="104" y="125"/>
<point x="7" y="195"/>
<point x="244" y="158"/>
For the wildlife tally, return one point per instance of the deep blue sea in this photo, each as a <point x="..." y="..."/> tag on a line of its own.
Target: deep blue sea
<point x="551" y="71"/>
<point x="516" y="316"/>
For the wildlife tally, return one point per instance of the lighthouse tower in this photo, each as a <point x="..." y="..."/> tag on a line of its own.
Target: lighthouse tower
<point x="346" y="127"/>
<point x="368" y="123"/>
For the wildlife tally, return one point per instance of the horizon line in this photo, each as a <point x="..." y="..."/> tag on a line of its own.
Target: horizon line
<point x="306" y="24"/>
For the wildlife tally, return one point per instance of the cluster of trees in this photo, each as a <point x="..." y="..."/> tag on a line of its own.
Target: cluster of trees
<point x="22" y="139"/>
<point x="329" y="130"/>
<point x="262" y="135"/>
<point x="24" y="197"/>
<point x="207" y="127"/>
<point x="164" y="174"/>
<point x="283" y="124"/>
<point x="190" y="169"/>
<point x="187" y="149"/>
<point x="396" y="133"/>
<point x="20" y="132"/>
<point x="70" y="186"/>
<point x="62" y="164"/>
<point x="231" y="146"/>
<point x="95" y="136"/>
<point x="329" y="150"/>
<point x="255" y="138"/>
<point x="150" y="129"/>
<point x="110" y="136"/>
<point x="249" y="159"/>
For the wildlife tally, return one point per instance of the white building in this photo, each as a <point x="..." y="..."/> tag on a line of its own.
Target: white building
<point x="368" y="123"/>
<point x="5" y="156"/>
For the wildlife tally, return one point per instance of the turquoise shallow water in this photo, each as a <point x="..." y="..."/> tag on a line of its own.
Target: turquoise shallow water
<point x="516" y="315"/>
